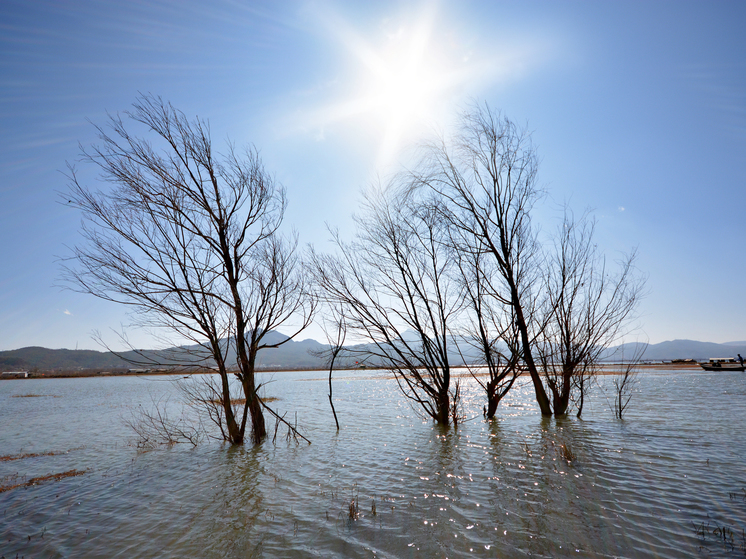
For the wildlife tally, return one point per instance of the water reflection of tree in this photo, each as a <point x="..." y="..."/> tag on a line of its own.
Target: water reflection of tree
<point x="442" y="491"/>
<point x="533" y="487"/>
<point x="238" y="512"/>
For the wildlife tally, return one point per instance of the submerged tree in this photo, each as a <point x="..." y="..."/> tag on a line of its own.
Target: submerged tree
<point x="486" y="184"/>
<point x="335" y="329"/>
<point x="398" y="296"/>
<point x="487" y="325"/>
<point x="550" y="312"/>
<point x="625" y="382"/>
<point x="588" y="309"/>
<point x="188" y="238"/>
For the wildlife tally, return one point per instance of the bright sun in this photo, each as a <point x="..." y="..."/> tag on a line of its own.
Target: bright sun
<point x="400" y="79"/>
<point x="402" y="82"/>
<point x="405" y="79"/>
<point x="401" y="85"/>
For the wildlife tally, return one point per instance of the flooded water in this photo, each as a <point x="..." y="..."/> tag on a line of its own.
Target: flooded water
<point x="667" y="481"/>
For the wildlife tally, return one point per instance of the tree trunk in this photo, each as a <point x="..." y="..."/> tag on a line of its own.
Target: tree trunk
<point x="258" y="427"/>
<point x="541" y="395"/>
<point x="246" y="359"/>
<point x="561" y="403"/>
<point x="492" y="402"/>
<point x="335" y="352"/>
<point x="561" y="394"/>
<point x="235" y="433"/>
<point x="444" y="408"/>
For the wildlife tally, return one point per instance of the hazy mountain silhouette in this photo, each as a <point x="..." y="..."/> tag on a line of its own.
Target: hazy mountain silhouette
<point x="304" y="354"/>
<point x="681" y="349"/>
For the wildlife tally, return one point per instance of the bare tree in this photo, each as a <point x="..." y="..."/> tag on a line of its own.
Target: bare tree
<point x="335" y="329"/>
<point x="486" y="184"/>
<point x="188" y="239"/>
<point x="624" y="385"/>
<point x="626" y="381"/>
<point x="159" y="427"/>
<point x="487" y="326"/>
<point x="551" y="312"/>
<point x="394" y="285"/>
<point x="588" y="309"/>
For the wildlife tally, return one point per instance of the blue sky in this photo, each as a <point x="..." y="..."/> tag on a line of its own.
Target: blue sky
<point x="638" y="111"/>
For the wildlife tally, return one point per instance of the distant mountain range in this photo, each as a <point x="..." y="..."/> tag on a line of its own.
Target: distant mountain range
<point x="304" y="355"/>
<point x="291" y="355"/>
<point x="682" y="349"/>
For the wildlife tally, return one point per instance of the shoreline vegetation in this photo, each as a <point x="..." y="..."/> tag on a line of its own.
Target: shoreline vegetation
<point x="604" y="369"/>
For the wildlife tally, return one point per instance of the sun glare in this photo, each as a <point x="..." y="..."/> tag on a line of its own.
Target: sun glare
<point x="398" y="77"/>
<point x="400" y="86"/>
<point x="405" y="77"/>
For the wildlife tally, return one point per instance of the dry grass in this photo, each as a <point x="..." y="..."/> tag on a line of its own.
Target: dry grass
<point x="242" y="401"/>
<point x="354" y="509"/>
<point x="566" y="452"/>
<point x="42" y="479"/>
<point x="9" y="457"/>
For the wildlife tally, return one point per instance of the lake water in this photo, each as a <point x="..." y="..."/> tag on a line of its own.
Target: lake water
<point x="667" y="481"/>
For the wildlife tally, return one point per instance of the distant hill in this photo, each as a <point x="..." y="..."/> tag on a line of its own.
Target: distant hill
<point x="291" y="355"/>
<point x="304" y="355"/>
<point x="29" y="358"/>
<point x="684" y="349"/>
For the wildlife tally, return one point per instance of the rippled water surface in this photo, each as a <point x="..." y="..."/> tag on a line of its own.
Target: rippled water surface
<point x="668" y="481"/>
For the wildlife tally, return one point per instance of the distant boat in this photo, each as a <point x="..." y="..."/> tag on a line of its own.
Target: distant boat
<point x="723" y="364"/>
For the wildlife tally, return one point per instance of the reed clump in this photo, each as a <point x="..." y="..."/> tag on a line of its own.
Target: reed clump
<point x="723" y="535"/>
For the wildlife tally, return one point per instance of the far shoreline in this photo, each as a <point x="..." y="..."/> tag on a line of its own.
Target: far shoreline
<point x="605" y="369"/>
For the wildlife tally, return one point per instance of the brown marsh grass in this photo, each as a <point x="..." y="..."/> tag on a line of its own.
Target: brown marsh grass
<point x="566" y="452"/>
<point x="42" y="479"/>
<point x="354" y="509"/>
<point x="9" y="457"/>
<point x="242" y="401"/>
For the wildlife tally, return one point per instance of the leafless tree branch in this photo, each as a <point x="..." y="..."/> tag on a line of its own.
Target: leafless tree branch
<point x="188" y="240"/>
